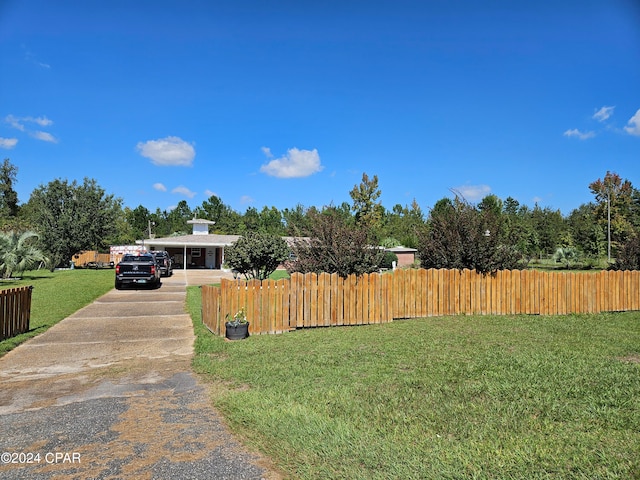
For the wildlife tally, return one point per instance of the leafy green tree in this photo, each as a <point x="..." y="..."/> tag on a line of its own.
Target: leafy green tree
<point x="491" y="203"/>
<point x="257" y="254"/>
<point x="160" y="224"/>
<point x="517" y="227"/>
<point x="510" y="206"/>
<point x="214" y="209"/>
<point x="367" y="210"/>
<point x="271" y="221"/>
<point x="71" y="217"/>
<point x="587" y="233"/>
<point x="388" y="260"/>
<point x="635" y="210"/>
<point x="136" y="225"/>
<point x="548" y="228"/>
<point x="390" y="242"/>
<point x="19" y="253"/>
<point x="403" y="224"/>
<point x="8" y="196"/>
<point x="335" y="246"/>
<point x="296" y="222"/>
<point x="211" y="209"/>
<point x="250" y="221"/>
<point x="615" y="206"/>
<point x="178" y="217"/>
<point x="343" y="210"/>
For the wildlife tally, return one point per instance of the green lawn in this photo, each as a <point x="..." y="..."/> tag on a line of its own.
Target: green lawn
<point x="520" y="397"/>
<point x="278" y="274"/>
<point x="56" y="295"/>
<point x="550" y="265"/>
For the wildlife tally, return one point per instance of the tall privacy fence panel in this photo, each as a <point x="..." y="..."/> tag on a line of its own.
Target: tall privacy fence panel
<point x="91" y="258"/>
<point x="15" y="311"/>
<point x="312" y="300"/>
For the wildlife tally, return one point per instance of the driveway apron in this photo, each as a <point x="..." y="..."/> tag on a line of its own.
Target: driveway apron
<point x="108" y="393"/>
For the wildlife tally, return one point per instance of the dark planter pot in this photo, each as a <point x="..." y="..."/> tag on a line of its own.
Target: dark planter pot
<point x="238" y="332"/>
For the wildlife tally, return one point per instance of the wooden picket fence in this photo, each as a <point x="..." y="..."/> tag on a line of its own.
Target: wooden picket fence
<point x="312" y="300"/>
<point x="15" y="311"/>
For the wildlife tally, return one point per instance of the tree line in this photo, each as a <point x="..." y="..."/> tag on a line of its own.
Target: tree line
<point x="494" y="233"/>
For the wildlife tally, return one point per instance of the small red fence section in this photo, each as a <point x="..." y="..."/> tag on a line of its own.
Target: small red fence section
<point x="314" y="300"/>
<point x="15" y="311"/>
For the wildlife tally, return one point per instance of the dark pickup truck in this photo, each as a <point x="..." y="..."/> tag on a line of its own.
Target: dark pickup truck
<point x="163" y="260"/>
<point x="137" y="270"/>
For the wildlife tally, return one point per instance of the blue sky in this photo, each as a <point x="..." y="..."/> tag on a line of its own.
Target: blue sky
<point x="278" y="103"/>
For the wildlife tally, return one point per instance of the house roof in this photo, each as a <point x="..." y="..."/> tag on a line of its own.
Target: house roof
<point x="401" y="249"/>
<point x="200" y="221"/>
<point x="206" y="240"/>
<point x="210" y="240"/>
<point x="216" y="240"/>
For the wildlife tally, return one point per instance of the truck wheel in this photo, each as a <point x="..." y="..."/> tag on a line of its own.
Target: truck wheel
<point x="118" y="285"/>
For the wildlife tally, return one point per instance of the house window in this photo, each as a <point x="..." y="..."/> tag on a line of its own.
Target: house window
<point x="195" y="252"/>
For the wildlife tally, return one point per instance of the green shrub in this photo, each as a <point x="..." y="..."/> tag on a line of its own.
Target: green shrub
<point x="387" y="260"/>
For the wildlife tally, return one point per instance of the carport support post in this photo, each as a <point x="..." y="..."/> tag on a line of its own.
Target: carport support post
<point x="184" y="258"/>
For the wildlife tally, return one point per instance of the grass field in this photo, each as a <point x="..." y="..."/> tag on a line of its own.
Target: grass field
<point x="278" y="274"/>
<point x="56" y="295"/>
<point x="526" y="397"/>
<point x="583" y="266"/>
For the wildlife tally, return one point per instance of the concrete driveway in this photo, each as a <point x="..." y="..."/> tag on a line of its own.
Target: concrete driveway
<point x="109" y="393"/>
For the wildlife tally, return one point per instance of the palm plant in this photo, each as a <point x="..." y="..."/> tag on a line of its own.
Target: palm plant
<point x="566" y="255"/>
<point x="17" y="253"/>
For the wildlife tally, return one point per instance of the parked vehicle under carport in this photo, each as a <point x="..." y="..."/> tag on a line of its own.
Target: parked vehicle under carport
<point x="164" y="263"/>
<point x="137" y="270"/>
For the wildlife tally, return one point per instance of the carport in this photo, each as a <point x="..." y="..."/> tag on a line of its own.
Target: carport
<point x="201" y="249"/>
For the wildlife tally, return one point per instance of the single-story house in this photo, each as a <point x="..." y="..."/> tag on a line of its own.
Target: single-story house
<point x="406" y="256"/>
<point x="201" y="249"/>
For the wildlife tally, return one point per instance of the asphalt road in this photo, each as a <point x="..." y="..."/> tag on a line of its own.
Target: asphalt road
<point x="108" y="393"/>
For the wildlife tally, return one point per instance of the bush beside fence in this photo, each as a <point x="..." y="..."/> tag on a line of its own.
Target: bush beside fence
<point x="312" y="300"/>
<point x="15" y="311"/>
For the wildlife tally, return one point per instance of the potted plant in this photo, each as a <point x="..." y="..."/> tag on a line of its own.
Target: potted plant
<point x="237" y="327"/>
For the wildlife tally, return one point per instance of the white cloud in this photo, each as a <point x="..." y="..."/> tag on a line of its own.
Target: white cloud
<point x="210" y="193"/>
<point x="603" y="114"/>
<point x="184" y="191"/>
<point x="296" y="163"/>
<point x="8" y="143"/>
<point x="42" y="121"/>
<point x="633" y="125"/>
<point x="160" y="187"/>
<point x="14" y="122"/>
<point x="169" y="151"/>
<point x="44" y="136"/>
<point x="472" y="193"/>
<point x="18" y="122"/>
<point x="246" y="199"/>
<point x="267" y="152"/>
<point x="31" y="58"/>
<point x="577" y="133"/>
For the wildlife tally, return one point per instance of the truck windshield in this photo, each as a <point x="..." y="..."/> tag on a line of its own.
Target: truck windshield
<point x="137" y="258"/>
